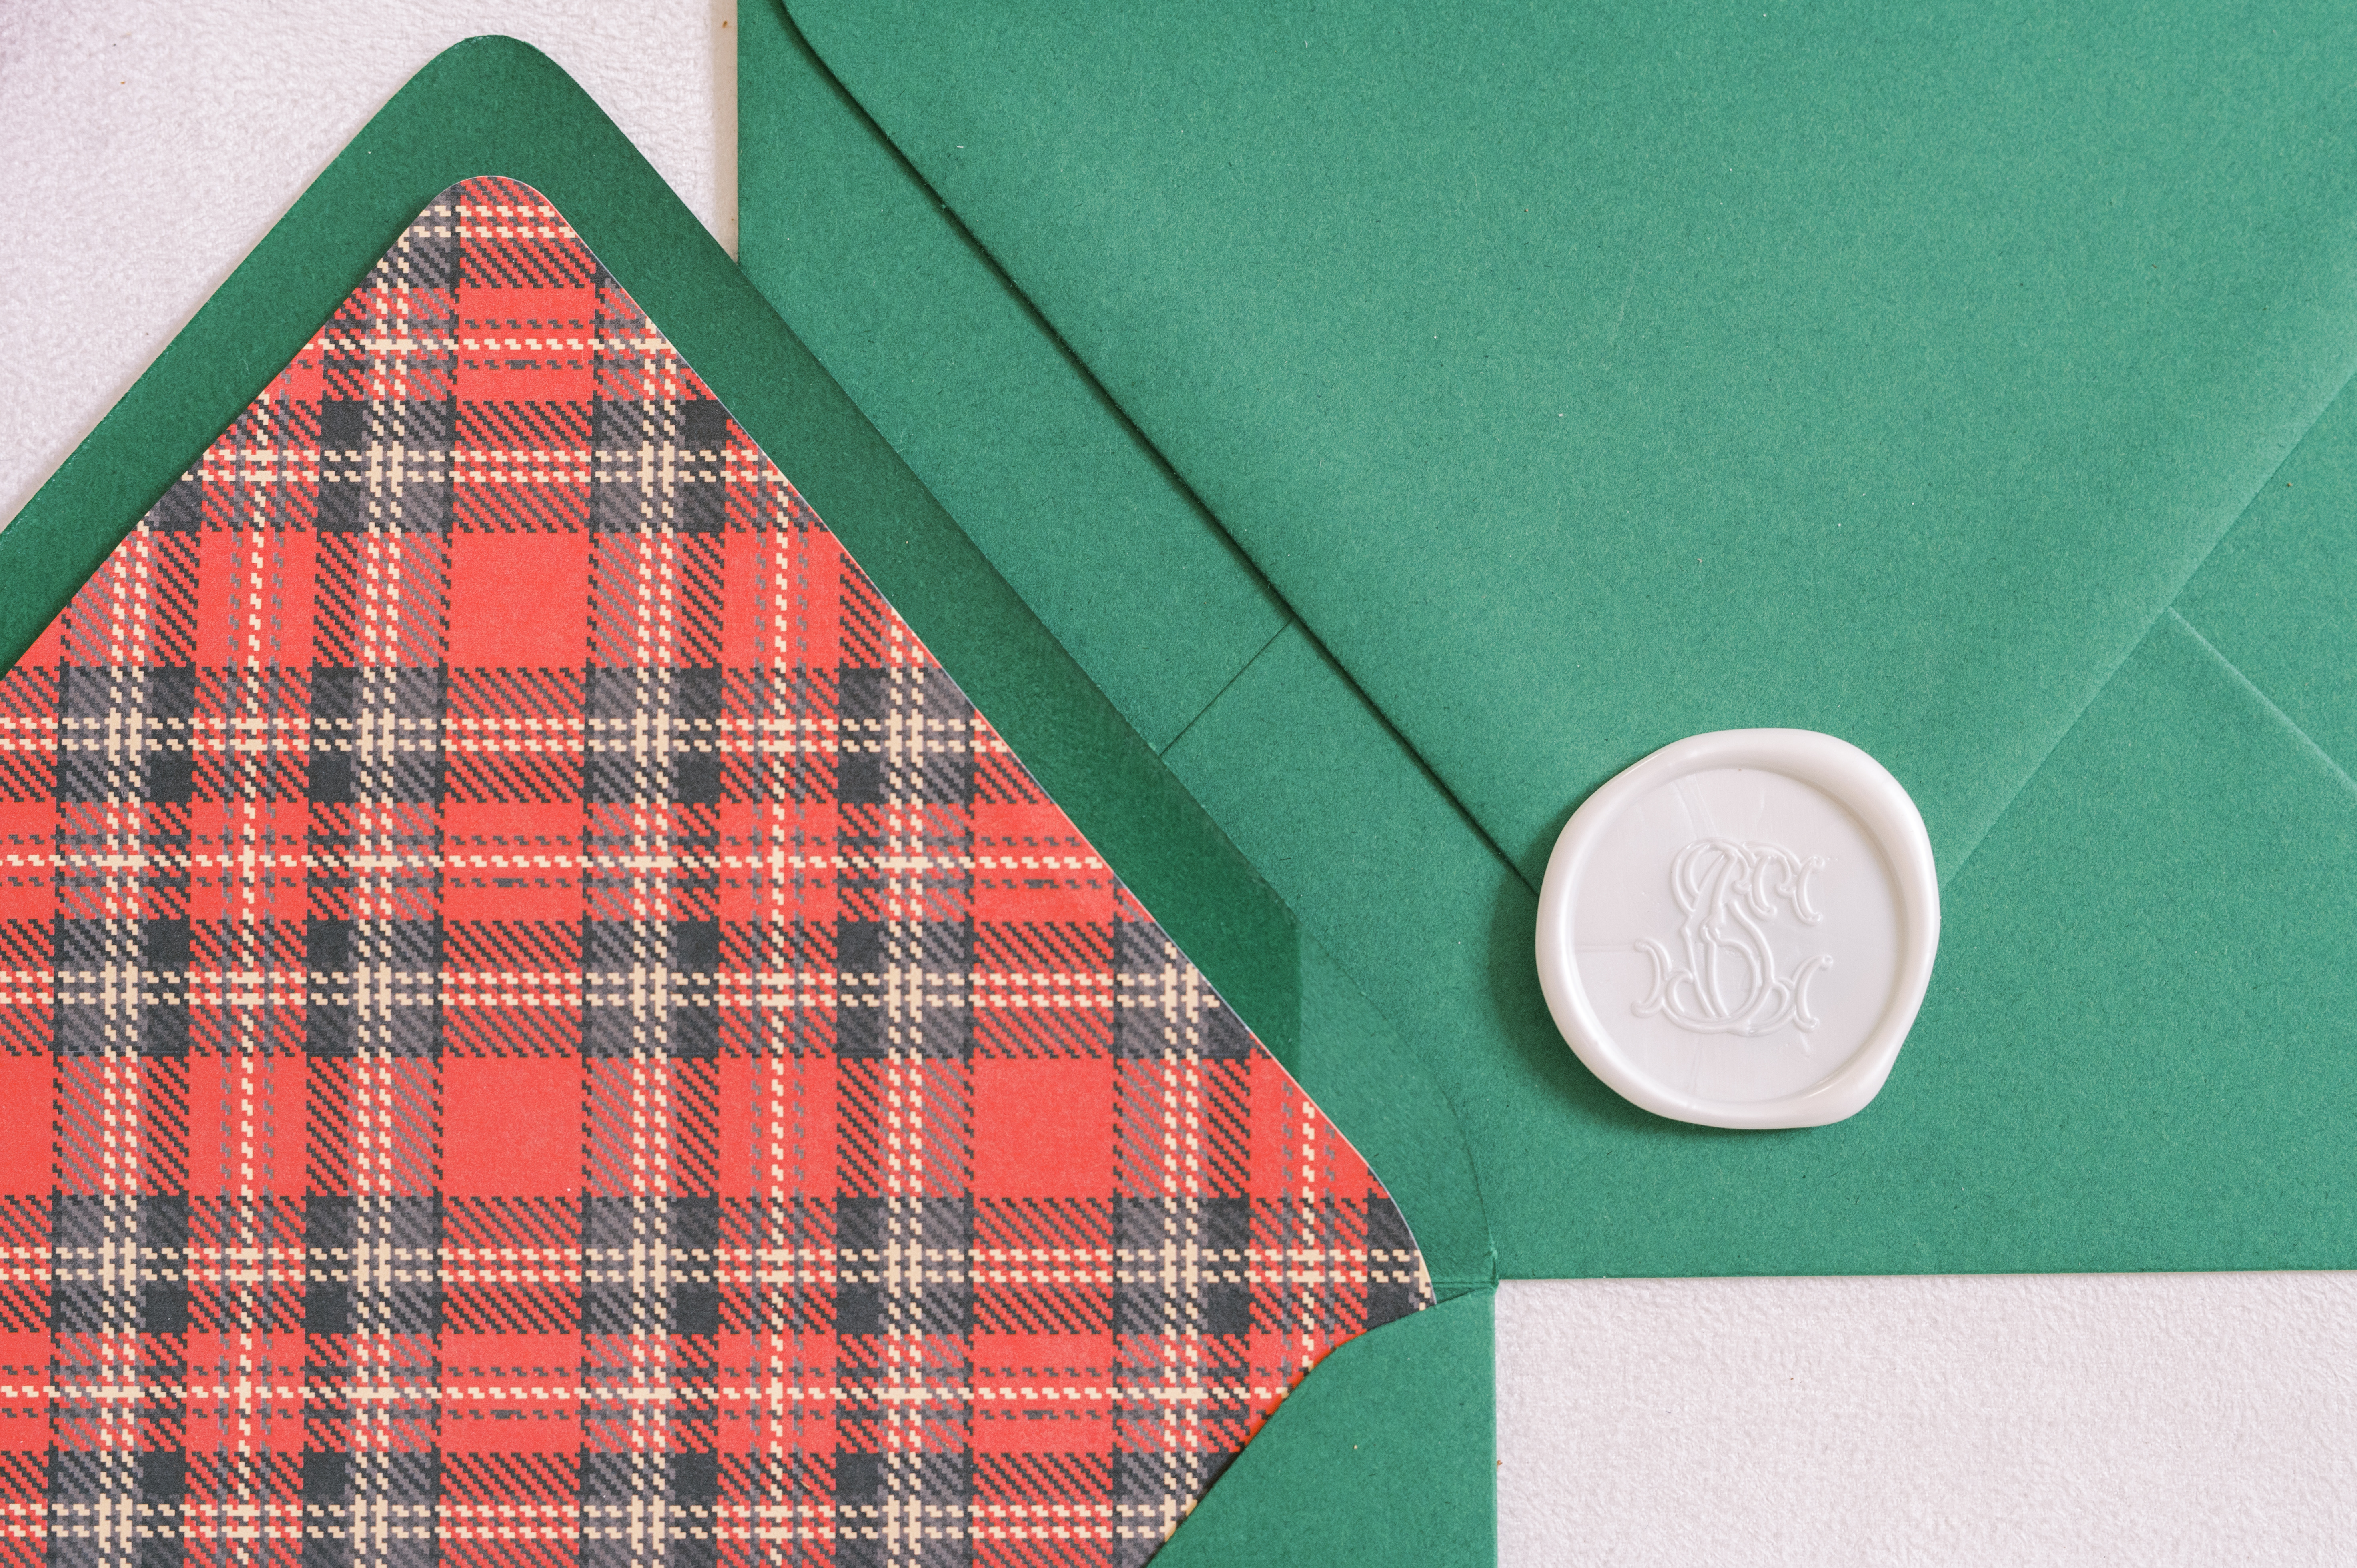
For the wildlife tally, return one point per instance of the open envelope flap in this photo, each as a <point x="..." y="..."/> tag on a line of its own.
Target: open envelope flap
<point x="1582" y="383"/>
<point x="493" y="103"/>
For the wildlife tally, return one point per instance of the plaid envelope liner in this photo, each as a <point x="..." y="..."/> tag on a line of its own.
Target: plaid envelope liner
<point x="541" y="1027"/>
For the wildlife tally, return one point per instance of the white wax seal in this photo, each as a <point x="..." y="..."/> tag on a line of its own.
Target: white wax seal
<point x="1739" y="930"/>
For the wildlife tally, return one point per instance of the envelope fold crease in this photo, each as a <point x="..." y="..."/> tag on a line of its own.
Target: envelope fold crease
<point x="2274" y="712"/>
<point x="2192" y="575"/>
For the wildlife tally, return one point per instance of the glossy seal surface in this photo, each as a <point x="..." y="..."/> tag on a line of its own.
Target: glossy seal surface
<point x="1737" y="930"/>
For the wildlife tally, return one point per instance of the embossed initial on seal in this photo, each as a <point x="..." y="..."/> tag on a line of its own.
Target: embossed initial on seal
<point x="1727" y="979"/>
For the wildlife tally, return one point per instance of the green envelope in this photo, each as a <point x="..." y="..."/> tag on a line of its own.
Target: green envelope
<point x="1411" y="417"/>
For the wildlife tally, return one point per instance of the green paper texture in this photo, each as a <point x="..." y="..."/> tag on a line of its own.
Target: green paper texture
<point x="494" y="105"/>
<point x="1961" y="382"/>
<point x="1384" y="1458"/>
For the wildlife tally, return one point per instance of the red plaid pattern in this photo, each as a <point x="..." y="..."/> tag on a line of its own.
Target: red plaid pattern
<point x="540" y="1028"/>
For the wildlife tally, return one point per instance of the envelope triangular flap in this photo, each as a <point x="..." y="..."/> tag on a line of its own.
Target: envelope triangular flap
<point x="523" y="541"/>
<point x="494" y="101"/>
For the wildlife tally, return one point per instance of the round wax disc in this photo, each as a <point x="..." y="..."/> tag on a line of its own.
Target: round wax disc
<point x="1739" y="930"/>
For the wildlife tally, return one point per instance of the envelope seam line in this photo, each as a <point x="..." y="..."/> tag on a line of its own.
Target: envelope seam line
<point x="1225" y="686"/>
<point x="2265" y="701"/>
<point x="2167" y="608"/>
<point x="1399" y="738"/>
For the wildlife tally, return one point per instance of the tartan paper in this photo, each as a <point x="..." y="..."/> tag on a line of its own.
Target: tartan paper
<point x="539" y="1028"/>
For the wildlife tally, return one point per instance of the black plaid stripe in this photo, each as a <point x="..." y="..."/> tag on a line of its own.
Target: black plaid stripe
<point x="389" y="357"/>
<point x="778" y="988"/>
<point x="661" y="465"/>
<point x="650" y="1266"/>
<point x="901" y="1509"/>
<point x="777" y="734"/>
<point x="904" y="986"/>
<point x="1182" y="1266"/>
<point x="775" y="1266"/>
<point x="386" y="462"/>
<point x="902" y="1269"/>
<point x="651" y="988"/>
<point x="375" y="734"/>
<point x="648" y="1510"/>
<point x="1153" y="1491"/>
<point x="122" y="986"/>
<point x="907" y="737"/>
<point x="125" y="732"/>
<point x="1162" y="1004"/>
<point x="375" y="984"/>
<point x="654" y="735"/>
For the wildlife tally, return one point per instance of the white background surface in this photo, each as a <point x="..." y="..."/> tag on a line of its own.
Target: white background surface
<point x="150" y="143"/>
<point x="2136" y="1419"/>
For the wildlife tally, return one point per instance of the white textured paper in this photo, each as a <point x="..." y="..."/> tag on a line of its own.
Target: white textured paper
<point x="2146" y="1419"/>
<point x="2130" y="1419"/>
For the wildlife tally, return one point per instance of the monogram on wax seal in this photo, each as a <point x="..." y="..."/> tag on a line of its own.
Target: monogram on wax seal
<point x="1739" y="930"/>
